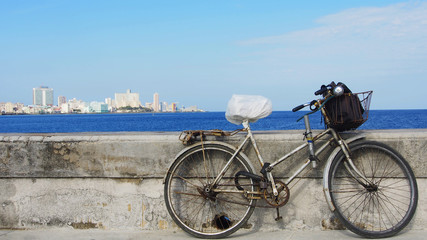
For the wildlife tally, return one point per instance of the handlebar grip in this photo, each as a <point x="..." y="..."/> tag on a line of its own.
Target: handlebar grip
<point x="298" y="108"/>
<point x="322" y="89"/>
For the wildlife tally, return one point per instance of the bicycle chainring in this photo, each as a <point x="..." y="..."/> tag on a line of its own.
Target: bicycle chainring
<point x="281" y="199"/>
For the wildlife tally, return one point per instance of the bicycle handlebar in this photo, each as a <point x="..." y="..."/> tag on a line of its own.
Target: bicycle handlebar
<point x="297" y="108"/>
<point x="322" y="90"/>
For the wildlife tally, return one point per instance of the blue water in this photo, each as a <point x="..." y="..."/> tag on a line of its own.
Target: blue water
<point x="281" y="120"/>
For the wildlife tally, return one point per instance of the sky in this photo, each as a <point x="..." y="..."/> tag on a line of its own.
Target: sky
<point x="197" y="52"/>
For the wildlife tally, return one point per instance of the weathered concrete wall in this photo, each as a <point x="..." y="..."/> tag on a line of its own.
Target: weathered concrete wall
<point x="114" y="180"/>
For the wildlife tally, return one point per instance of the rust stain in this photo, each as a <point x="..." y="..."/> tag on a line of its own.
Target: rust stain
<point x="163" y="225"/>
<point x="143" y="222"/>
<point x="332" y="224"/>
<point x="136" y="181"/>
<point x="129" y="207"/>
<point x="101" y="226"/>
<point x="83" y="225"/>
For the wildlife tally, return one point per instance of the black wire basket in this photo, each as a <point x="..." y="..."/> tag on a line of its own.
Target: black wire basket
<point x="348" y="111"/>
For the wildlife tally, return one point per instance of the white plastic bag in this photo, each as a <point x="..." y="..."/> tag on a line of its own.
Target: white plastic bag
<point x="247" y="107"/>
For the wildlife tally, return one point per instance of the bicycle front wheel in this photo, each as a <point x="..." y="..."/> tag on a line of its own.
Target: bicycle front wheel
<point x="385" y="203"/>
<point x="199" y="208"/>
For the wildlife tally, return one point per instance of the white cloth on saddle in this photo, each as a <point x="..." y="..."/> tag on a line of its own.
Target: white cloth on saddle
<point x="247" y="107"/>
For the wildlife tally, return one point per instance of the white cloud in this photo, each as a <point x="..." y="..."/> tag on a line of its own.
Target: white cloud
<point x="398" y="30"/>
<point x="379" y="47"/>
<point x="399" y="20"/>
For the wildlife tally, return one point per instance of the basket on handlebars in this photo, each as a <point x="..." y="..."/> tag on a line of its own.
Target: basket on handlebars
<point x="348" y="111"/>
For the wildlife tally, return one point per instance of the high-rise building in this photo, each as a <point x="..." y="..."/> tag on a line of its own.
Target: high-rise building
<point x="109" y="101"/>
<point x="173" y="106"/>
<point x="156" y="103"/>
<point x="61" y="100"/>
<point x="43" y="96"/>
<point x="163" y="107"/>
<point x="127" y="99"/>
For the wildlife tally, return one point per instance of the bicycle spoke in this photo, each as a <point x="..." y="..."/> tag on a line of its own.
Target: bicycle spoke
<point x="380" y="208"/>
<point x="200" y="209"/>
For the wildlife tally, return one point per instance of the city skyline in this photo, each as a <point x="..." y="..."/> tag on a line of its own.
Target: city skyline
<point x="124" y="99"/>
<point x="43" y="102"/>
<point x="203" y="52"/>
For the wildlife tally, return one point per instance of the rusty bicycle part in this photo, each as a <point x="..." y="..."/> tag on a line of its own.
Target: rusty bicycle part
<point x="279" y="200"/>
<point x="189" y="137"/>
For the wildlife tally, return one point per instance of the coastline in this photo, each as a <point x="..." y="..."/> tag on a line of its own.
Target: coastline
<point x="180" y="121"/>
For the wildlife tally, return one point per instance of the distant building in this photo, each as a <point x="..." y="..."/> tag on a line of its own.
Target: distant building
<point x="164" y="107"/>
<point x="9" y="107"/>
<point x="98" y="107"/>
<point x="156" y="103"/>
<point x="32" y="109"/>
<point x="173" y="106"/>
<point x="61" y="100"/>
<point x="127" y="99"/>
<point x="191" y="109"/>
<point x="65" y="108"/>
<point x="76" y="105"/>
<point x="149" y="105"/>
<point x="110" y="103"/>
<point x="43" y="96"/>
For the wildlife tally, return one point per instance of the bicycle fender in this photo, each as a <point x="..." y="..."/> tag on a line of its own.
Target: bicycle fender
<point x="196" y="145"/>
<point x="328" y="167"/>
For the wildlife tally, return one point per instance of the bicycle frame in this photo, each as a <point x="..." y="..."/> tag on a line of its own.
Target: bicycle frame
<point x="312" y="154"/>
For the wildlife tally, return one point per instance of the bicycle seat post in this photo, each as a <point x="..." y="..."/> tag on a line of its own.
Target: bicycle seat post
<point x="309" y="137"/>
<point x="261" y="160"/>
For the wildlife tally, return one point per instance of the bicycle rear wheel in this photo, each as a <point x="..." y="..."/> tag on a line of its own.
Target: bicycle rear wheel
<point x="198" y="209"/>
<point x="381" y="207"/>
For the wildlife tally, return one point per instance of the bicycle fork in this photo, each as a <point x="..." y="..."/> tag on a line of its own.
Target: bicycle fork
<point x="349" y="164"/>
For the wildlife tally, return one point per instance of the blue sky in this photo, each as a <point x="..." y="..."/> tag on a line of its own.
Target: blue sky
<point x="201" y="52"/>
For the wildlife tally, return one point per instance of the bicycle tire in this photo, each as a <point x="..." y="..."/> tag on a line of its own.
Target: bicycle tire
<point x="203" y="215"/>
<point x="377" y="210"/>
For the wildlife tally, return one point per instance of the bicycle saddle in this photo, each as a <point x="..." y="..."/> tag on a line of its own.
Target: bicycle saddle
<point x="247" y="107"/>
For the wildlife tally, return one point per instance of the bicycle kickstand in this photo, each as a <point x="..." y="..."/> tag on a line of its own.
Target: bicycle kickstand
<point x="278" y="215"/>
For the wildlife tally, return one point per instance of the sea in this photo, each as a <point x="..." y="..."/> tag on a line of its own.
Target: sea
<point x="167" y="122"/>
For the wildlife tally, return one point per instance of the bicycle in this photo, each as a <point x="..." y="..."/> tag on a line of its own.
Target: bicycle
<point x="211" y="189"/>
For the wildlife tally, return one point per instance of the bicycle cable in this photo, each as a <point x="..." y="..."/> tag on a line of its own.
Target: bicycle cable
<point x="317" y="109"/>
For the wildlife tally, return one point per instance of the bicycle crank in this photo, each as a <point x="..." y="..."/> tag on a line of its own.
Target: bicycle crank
<point x="281" y="199"/>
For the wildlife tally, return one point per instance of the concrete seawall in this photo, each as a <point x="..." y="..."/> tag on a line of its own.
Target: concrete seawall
<point x="114" y="180"/>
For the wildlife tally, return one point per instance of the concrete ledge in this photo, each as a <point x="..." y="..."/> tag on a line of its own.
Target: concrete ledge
<point x="114" y="180"/>
<point x="66" y="234"/>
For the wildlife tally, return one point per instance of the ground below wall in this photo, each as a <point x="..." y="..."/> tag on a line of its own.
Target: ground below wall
<point x="114" y="180"/>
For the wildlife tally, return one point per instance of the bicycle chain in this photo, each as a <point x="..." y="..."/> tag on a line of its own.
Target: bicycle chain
<point x="271" y="204"/>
